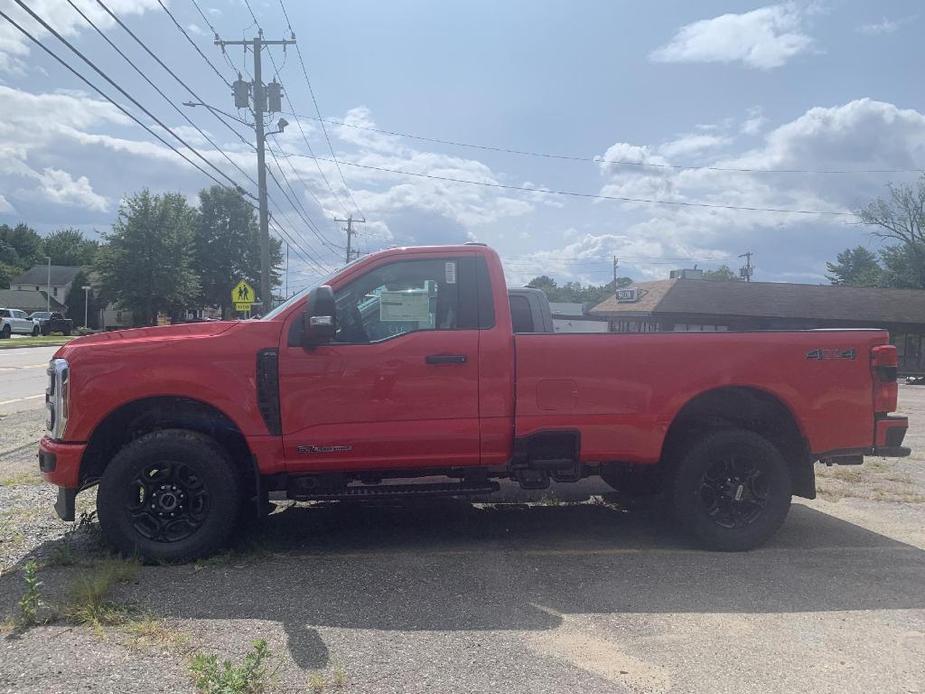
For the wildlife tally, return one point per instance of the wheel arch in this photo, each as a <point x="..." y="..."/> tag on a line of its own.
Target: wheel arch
<point x="136" y="418"/>
<point x="750" y="408"/>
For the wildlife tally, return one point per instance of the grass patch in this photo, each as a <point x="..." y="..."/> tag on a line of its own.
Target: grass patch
<point x="149" y="631"/>
<point x="90" y="602"/>
<point x="41" y="341"/>
<point x="21" y="479"/>
<point x="251" y="676"/>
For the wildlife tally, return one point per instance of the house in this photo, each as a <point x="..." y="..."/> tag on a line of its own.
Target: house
<point x="685" y="305"/>
<point x="28" y="300"/>
<point x="38" y="279"/>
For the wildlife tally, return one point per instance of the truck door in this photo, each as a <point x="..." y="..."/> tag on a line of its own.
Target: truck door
<point x="398" y="387"/>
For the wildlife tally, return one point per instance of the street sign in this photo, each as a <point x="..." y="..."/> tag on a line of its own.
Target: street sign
<point x="242" y="296"/>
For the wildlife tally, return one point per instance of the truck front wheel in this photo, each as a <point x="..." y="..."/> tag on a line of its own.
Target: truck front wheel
<point x="731" y="490"/>
<point x="171" y="495"/>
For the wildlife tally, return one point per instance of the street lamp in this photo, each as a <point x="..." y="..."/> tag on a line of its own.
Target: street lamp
<point x="86" y="289"/>
<point x="48" y="286"/>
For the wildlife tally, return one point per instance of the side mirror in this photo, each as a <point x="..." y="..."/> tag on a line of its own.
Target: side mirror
<point x="319" y="322"/>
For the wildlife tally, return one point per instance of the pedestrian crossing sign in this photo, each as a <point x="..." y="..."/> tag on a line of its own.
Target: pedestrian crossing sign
<point x="242" y="296"/>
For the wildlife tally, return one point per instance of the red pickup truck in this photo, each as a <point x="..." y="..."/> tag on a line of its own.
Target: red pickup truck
<point x="401" y="375"/>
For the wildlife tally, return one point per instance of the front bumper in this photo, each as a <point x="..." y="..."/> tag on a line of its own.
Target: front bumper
<point x="59" y="462"/>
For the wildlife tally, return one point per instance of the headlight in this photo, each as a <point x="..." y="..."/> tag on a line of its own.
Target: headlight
<point x="57" y="397"/>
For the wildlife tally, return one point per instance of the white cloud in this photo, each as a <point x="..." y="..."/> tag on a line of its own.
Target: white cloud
<point x="61" y="188"/>
<point x="764" y="38"/>
<point x="15" y="47"/>
<point x="5" y="206"/>
<point x="194" y="28"/>
<point x="754" y="123"/>
<point x="689" y="144"/>
<point x="884" y="26"/>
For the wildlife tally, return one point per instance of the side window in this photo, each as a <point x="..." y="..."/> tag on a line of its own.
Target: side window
<point x="521" y="316"/>
<point x="401" y="297"/>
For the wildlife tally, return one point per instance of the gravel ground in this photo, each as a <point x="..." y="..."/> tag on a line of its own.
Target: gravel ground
<point x="458" y="597"/>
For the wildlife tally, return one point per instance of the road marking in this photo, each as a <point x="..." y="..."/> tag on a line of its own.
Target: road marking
<point x="28" y="366"/>
<point x="28" y="397"/>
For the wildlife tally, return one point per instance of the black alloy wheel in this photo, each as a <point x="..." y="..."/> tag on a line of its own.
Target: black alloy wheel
<point x="731" y="490"/>
<point x="171" y="495"/>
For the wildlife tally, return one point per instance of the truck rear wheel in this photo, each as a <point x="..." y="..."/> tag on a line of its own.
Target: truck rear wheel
<point x="171" y="495"/>
<point x="731" y="490"/>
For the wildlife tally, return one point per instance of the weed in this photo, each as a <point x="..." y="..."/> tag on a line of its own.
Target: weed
<point x="550" y="500"/>
<point x="89" y="598"/>
<point x="340" y="677"/>
<point x="316" y="682"/>
<point x="150" y="631"/>
<point x="250" y="677"/>
<point x="31" y="600"/>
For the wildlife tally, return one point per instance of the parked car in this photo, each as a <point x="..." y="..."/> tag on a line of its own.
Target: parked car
<point x="403" y="370"/>
<point x="16" y="322"/>
<point x="52" y="322"/>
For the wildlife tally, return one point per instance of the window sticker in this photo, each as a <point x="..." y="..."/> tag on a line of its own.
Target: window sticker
<point x="451" y="272"/>
<point x="409" y="305"/>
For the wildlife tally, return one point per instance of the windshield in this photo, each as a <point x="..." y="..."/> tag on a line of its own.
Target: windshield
<point x="298" y="295"/>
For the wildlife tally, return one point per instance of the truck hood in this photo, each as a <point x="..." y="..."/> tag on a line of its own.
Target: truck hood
<point x="165" y="332"/>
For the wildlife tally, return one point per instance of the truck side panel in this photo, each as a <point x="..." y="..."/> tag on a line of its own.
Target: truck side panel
<point x="621" y="392"/>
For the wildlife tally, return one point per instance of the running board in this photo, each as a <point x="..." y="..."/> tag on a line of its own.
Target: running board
<point x="395" y="490"/>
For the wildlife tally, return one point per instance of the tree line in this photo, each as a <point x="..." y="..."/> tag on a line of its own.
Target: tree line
<point x="899" y="222"/>
<point x="163" y="255"/>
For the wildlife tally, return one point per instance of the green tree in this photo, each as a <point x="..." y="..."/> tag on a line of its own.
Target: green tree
<point x="855" y="267"/>
<point x="721" y="274"/>
<point x="75" y="302"/>
<point x="227" y="246"/>
<point x="903" y="266"/>
<point x="69" y="247"/>
<point x="146" y="264"/>
<point x="900" y="218"/>
<point x="575" y="292"/>
<point x="26" y="242"/>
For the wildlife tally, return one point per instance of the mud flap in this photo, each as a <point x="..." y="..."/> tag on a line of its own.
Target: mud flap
<point x="64" y="506"/>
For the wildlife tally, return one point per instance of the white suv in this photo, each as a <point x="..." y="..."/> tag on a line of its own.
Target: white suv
<point x="13" y="320"/>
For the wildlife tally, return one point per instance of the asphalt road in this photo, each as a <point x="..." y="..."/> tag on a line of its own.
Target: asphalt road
<point x="23" y="378"/>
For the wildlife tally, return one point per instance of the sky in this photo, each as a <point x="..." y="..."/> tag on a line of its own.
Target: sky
<point x="665" y="119"/>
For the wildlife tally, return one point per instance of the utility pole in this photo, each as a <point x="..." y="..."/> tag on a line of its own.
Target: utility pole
<point x="260" y="93"/>
<point x="746" y="272"/>
<point x="350" y="221"/>
<point x="616" y="262"/>
<point x="48" y="287"/>
<point x="86" y="289"/>
<point x="287" y="269"/>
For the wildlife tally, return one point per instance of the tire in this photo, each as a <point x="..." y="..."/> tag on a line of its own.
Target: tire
<point x="731" y="490"/>
<point x="35" y="331"/>
<point x="67" y="333"/>
<point x="5" y="332"/>
<point x="169" y="496"/>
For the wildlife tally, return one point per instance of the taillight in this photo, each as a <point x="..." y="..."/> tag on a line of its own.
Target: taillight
<point x="883" y="364"/>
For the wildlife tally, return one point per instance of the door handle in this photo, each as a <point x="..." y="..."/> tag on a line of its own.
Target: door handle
<point x="445" y="359"/>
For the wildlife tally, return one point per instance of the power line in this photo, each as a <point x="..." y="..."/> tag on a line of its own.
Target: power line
<point x="299" y="209"/>
<point x="596" y="159"/>
<point x="110" y="99"/>
<point x="193" y="43"/>
<point x="305" y="139"/>
<point x="163" y="65"/>
<point x="228" y="61"/>
<point x="324" y="130"/>
<point x="159" y="91"/>
<point x="576" y="194"/>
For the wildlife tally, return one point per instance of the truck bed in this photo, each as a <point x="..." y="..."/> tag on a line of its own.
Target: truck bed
<point x="622" y="391"/>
